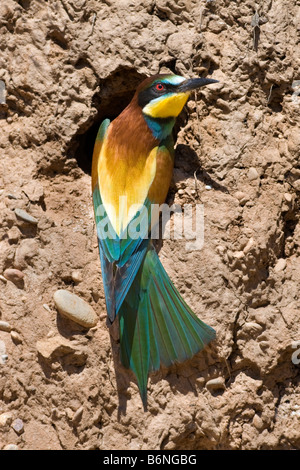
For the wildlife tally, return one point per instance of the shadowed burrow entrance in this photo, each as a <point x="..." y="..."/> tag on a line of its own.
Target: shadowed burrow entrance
<point x="115" y="94"/>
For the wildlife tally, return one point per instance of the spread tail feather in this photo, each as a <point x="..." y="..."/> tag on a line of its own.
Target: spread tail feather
<point x="156" y="325"/>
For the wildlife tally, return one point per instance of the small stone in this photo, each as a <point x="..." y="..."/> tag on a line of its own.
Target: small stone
<point x="257" y="422"/>
<point x="76" y="276"/>
<point x="21" y="214"/>
<point x="216" y="384"/>
<point x="13" y="275"/>
<point x="3" y="355"/>
<point x="296" y="185"/>
<point x="200" y="382"/>
<point x="252" y="174"/>
<point x="55" y="346"/>
<point x="2" y="278"/>
<point x="224" y="105"/>
<point x="18" y="426"/>
<point x="11" y="447"/>
<point x="239" y="195"/>
<point x="288" y="197"/>
<point x="75" y="308"/>
<point x="252" y="327"/>
<point x="16" y="337"/>
<point x="239" y="254"/>
<point x="280" y="265"/>
<point x="264" y="345"/>
<point x="4" y="326"/>
<point x="77" y="415"/>
<point x="208" y="187"/>
<point x="6" y="419"/>
<point x="249" y="246"/>
<point x="3" y="358"/>
<point x="46" y="307"/>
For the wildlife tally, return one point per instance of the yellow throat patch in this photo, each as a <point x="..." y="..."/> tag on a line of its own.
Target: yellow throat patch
<point x="166" y="106"/>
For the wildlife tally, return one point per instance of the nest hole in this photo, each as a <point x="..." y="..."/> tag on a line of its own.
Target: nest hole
<point x="115" y="94"/>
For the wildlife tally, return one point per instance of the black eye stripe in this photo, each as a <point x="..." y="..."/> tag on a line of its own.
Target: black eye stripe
<point x="152" y="92"/>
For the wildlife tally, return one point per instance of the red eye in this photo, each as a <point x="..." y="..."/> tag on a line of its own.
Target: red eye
<point x="160" y="87"/>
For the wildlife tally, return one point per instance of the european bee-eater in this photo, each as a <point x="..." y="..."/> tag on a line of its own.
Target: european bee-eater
<point x="132" y="169"/>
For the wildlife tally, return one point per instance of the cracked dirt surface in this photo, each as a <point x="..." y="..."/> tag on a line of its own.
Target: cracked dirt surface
<point x="67" y="64"/>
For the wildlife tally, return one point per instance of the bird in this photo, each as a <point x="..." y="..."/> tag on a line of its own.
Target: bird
<point x="132" y="167"/>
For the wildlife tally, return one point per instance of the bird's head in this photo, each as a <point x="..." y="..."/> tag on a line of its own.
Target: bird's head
<point x="164" y="96"/>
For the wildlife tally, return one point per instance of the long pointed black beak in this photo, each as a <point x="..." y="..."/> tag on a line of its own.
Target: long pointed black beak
<point x="193" y="83"/>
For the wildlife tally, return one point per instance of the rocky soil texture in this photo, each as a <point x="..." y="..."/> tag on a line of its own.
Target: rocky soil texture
<point x="64" y="66"/>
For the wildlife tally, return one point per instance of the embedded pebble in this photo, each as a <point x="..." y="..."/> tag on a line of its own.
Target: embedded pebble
<point x="296" y="185"/>
<point x="239" y="195"/>
<point x="18" y="426"/>
<point x="4" y="326"/>
<point x="6" y="418"/>
<point x="55" y="346"/>
<point x="257" y="422"/>
<point x="77" y="415"/>
<point x="2" y="278"/>
<point x="238" y="254"/>
<point x="75" y="308"/>
<point x="76" y="276"/>
<point x="13" y="275"/>
<point x="280" y="265"/>
<point x="249" y="246"/>
<point x="3" y="358"/>
<point x="58" y="346"/>
<point x="11" y="447"/>
<point x="46" y="307"/>
<point x="2" y="347"/>
<point x="25" y="216"/>
<point x="3" y="355"/>
<point x="252" y="174"/>
<point x="252" y="327"/>
<point x="223" y="104"/>
<point x="16" y="337"/>
<point x="215" y="384"/>
<point x="264" y="345"/>
<point x="288" y="197"/>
